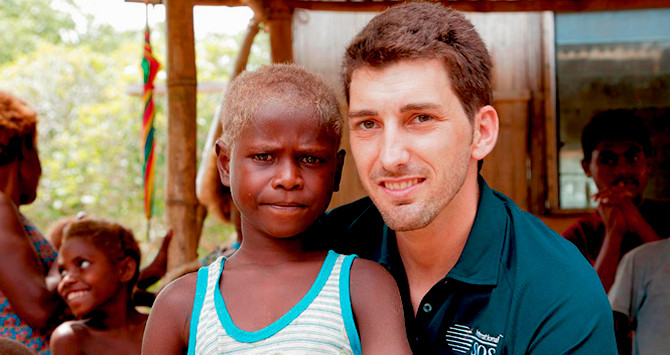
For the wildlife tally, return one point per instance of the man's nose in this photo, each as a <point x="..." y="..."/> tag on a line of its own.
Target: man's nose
<point x="288" y="175"/>
<point x="393" y="151"/>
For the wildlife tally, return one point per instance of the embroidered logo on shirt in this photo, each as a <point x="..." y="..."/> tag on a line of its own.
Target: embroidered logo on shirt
<point x="466" y="340"/>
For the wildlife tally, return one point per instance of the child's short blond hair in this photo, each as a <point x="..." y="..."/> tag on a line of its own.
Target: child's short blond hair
<point x="289" y="83"/>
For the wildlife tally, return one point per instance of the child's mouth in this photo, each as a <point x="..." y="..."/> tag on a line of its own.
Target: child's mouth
<point x="75" y="295"/>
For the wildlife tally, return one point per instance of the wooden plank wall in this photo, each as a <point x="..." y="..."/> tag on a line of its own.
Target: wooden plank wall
<point x="319" y="41"/>
<point x="514" y="40"/>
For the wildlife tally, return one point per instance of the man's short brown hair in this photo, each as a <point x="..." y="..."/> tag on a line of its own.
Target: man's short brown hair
<point x="424" y="30"/>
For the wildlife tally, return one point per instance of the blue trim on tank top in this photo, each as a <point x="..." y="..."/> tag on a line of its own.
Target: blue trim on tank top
<point x="345" y="304"/>
<point x="198" y="301"/>
<point x="272" y="329"/>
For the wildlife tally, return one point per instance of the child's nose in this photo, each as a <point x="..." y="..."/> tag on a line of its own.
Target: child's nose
<point x="288" y="176"/>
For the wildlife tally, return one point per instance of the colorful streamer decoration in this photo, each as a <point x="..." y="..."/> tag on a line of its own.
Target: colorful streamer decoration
<point x="150" y="67"/>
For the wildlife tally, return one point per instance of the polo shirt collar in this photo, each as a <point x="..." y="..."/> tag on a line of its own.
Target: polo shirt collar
<point x="479" y="263"/>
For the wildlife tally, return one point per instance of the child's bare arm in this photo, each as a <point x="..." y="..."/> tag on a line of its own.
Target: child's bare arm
<point x="167" y="328"/>
<point x="378" y="309"/>
<point x="22" y="280"/>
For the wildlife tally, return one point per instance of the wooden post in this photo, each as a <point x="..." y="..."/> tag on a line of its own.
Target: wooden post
<point x="182" y="206"/>
<point x="206" y="195"/>
<point x="279" y="16"/>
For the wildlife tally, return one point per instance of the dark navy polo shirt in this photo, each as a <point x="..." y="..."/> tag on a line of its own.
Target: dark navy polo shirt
<point x="518" y="287"/>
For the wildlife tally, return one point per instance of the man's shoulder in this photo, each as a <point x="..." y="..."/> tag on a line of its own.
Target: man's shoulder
<point x="541" y="254"/>
<point x="555" y="288"/>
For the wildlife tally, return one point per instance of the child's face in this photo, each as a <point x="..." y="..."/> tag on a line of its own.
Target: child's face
<point x="89" y="278"/>
<point x="282" y="170"/>
<point x="619" y="163"/>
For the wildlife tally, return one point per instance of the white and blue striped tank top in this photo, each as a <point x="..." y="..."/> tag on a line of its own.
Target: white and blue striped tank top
<point x="321" y="323"/>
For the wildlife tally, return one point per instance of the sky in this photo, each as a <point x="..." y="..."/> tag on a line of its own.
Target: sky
<point x="131" y="16"/>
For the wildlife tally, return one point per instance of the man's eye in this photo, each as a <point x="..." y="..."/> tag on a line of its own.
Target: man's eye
<point x="422" y="118"/>
<point x="311" y="159"/>
<point x="262" y="157"/>
<point x="367" y="124"/>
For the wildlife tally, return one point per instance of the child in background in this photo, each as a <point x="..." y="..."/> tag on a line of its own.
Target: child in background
<point x="99" y="265"/>
<point x="279" y="155"/>
<point x="149" y="274"/>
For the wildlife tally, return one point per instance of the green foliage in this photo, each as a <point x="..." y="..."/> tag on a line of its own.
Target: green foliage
<point x="90" y="127"/>
<point x="25" y="23"/>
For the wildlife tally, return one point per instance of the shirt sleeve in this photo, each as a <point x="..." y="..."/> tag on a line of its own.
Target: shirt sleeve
<point x="621" y="293"/>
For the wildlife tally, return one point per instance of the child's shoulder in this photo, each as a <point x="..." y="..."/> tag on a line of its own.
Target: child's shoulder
<point x="366" y="273"/>
<point x="68" y="336"/>
<point x="180" y="292"/>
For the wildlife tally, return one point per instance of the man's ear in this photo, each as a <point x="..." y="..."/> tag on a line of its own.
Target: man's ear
<point x="127" y="268"/>
<point x="338" y="170"/>
<point x="223" y="162"/>
<point x="586" y="166"/>
<point x="485" y="132"/>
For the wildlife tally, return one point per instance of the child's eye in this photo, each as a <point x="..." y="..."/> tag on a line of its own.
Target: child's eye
<point x="84" y="264"/>
<point x="262" y="157"/>
<point x="308" y="159"/>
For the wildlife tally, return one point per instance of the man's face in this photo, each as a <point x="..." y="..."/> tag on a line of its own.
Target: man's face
<point x="411" y="140"/>
<point x="619" y="163"/>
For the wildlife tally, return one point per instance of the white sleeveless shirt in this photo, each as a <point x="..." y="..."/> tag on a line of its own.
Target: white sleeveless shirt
<point x="321" y="323"/>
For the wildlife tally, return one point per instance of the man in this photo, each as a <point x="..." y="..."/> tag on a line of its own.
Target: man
<point x="618" y="156"/>
<point x="476" y="274"/>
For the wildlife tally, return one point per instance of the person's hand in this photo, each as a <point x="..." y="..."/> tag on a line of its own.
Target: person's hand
<point x="613" y="203"/>
<point x="158" y="266"/>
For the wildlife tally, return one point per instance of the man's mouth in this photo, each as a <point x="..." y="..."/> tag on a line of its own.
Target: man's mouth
<point x="401" y="185"/>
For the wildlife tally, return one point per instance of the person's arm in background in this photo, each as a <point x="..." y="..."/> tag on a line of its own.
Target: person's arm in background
<point x="22" y="279"/>
<point x="620" y="215"/>
<point x="623" y="333"/>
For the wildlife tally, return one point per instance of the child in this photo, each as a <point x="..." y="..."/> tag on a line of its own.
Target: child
<point x="279" y="155"/>
<point x="99" y="265"/>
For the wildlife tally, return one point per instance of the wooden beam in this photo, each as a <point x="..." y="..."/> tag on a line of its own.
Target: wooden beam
<point x="278" y="16"/>
<point x="182" y="206"/>
<point x="205" y="189"/>
<point x="463" y="5"/>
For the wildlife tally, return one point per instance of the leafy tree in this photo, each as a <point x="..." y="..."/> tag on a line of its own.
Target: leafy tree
<point x="26" y="23"/>
<point x="89" y="129"/>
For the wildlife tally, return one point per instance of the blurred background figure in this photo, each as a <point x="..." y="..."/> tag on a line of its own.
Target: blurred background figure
<point x="618" y="157"/>
<point x="640" y="298"/>
<point x="28" y="301"/>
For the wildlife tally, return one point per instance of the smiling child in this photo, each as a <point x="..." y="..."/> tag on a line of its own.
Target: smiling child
<point x="279" y="156"/>
<point x="99" y="265"/>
